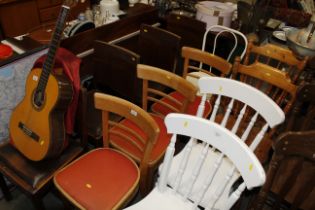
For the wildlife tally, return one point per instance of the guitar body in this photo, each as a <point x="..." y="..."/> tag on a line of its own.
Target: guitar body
<point x="38" y="132"/>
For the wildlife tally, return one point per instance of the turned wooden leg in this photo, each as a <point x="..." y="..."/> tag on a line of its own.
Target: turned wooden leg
<point x="5" y="189"/>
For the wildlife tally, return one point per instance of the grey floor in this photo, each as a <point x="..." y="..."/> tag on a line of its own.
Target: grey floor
<point x="21" y="202"/>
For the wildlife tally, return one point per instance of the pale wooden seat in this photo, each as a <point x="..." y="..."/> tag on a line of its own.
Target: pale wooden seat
<point x="107" y="178"/>
<point x="237" y="106"/>
<point x="279" y="57"/>
<point x="243" y="161"/>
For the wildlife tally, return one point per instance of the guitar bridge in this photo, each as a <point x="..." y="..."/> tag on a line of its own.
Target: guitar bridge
<point x="28" y="132"/>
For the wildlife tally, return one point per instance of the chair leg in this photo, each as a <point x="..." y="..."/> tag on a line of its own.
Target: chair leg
<point x="5" y="189"/>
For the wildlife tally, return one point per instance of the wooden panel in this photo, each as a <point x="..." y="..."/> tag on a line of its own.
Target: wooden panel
<point x="18" y="18"/>
<point x="48" y="3"/>
<point x="49" y="14"/>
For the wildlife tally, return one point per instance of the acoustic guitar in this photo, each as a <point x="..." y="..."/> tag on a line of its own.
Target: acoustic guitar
<point x="37" y="126"/>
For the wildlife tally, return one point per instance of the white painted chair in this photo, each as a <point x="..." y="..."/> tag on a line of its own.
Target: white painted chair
<point x="239" y="114"/>
<point x="241" y="159"/>
<point x="240" y="43"/>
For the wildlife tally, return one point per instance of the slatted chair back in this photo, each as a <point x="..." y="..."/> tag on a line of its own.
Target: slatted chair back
<point x="238" y="106"/>
<point x="290" y="178"/>
<point x="274" y="83"/>
<point x="153" y="93"/>
<point x="158" y="47"/>
<point x="278" y="57"/>
<point x="125" y="110"/>
<point x="243" y="161"/>
<point x="193" y="57"/>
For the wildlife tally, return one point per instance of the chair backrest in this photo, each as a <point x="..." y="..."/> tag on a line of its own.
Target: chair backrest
<point x="276" y="56"/>
<point x="290" y="178"/>
<point x="189" y="29"/>
<point x="115" y="70"/>
<point x="158" y="47"/>
<point x="273" y="82"/>
<point x="244" y="161"/>
<point x="194" y="57"/>
<point x="239" y="107"/>
<point x="302" y="114"/>
<point x="240" y="41"/>
<point x="156" y="80"/>
<point x="123" y="109"/>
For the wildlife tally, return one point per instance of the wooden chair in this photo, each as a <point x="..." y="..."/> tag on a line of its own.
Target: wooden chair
<point x="107" y="178"/>
<point x="189" y="29"/>
<point x="302" y="115"/>
<point x="155" y="75"/>
<point x="274" y="83"/>
<point x="290" y="177"/>
<point x="277" y="57"/>
<point x="115" y="68"/>
<point x="158" y="47"/>
<point x="242" y="161"/>
<point x="237" y="108"/>
<point x="192" y="58"/>
<point x="35" y="178"/>
<point x="114" y="72"/>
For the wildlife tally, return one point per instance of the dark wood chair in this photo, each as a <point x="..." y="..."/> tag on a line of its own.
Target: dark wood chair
<point x="189" y="29"/>
<point x="290" y="182"/>
<point x="35" y="178"/>
<point x="301" y="117"/>
<point x="158" y="47"/>
<point x="278" y="57"/>
<point x="114" y="72"/>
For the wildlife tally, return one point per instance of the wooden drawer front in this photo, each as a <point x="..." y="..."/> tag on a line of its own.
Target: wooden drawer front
<point x="48" y="3"/>
<point x="49" y="14"/>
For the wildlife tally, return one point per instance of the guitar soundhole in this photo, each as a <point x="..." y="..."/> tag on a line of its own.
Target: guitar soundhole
<point x="38" y="98"/>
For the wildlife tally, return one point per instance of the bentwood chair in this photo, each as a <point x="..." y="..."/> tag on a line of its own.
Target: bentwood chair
<point x="151" y="76"/>
<point x="281" y="58"/>
<point x="290" y="178"/>
<point x="107" y="178"/>
<point x="241" y="162"/>
<point x="237" y="108"/>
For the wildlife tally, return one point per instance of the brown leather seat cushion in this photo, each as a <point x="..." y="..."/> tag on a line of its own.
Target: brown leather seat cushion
<point x="17" y="167"/>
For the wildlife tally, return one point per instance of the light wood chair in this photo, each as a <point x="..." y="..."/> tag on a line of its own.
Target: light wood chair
<point x="290" y="178"/>
<point x="278" y="57"/>
<point x="158" y="47"/>
<point x="242" y="162"/>
<point x="192" y="58"/>
<point x="107" y="178"/>
<point x="237" y="108"/>
<point x="273" y="82"/>
<point x="150" y="75"/>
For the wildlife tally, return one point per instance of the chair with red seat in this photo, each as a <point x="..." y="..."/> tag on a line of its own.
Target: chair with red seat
<point x="191" y="56"/>
<point x="106" y="178"/>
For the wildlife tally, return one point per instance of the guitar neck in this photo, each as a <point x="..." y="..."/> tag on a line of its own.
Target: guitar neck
<point x="54" y="44"/>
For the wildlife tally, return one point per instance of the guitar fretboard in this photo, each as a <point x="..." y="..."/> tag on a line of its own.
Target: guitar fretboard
<point x="54" y="44"/>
